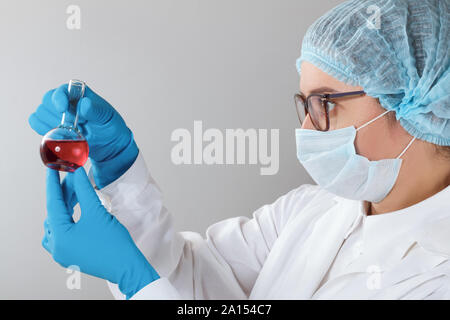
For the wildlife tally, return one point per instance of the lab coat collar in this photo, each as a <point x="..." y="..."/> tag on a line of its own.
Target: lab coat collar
<point x="391" y="235"/>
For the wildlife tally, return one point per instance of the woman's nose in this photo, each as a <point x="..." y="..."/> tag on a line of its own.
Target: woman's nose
<point x="307" y="124"/>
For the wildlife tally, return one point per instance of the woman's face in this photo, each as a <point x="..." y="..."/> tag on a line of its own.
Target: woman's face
<point x="382" y="139"/>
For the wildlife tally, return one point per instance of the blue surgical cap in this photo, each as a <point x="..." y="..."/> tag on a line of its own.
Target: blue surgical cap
<point x="398" y="51"/>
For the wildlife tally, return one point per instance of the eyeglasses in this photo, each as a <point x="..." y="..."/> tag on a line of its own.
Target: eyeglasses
<point x="318" y="106"/>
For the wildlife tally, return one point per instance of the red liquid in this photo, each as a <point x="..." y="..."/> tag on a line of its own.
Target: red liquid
<point x="64" y="155"/>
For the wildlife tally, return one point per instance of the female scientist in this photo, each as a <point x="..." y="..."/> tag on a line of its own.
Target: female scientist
<point x="374" y="104"/>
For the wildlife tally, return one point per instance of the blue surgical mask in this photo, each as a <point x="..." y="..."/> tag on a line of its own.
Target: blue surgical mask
<point x="331" y="160"/>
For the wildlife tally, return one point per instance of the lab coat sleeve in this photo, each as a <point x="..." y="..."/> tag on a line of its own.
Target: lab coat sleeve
<point x="223" y="265"/>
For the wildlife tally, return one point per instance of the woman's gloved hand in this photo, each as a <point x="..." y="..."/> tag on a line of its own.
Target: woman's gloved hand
<point x="98" y="243"/>
<point x="112" y="148"/>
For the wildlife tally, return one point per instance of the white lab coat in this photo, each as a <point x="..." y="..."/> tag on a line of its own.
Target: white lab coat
<point x="285" y="251"/>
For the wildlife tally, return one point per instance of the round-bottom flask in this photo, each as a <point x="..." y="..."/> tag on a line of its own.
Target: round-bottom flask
<point x="64" y="148"/>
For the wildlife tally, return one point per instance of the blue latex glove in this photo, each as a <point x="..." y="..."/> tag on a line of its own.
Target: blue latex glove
<point x="112" y="148"/>
<point x="98" y="243"/>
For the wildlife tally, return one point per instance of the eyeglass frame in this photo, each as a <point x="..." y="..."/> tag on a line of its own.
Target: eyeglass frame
<point x="326" y="98"/>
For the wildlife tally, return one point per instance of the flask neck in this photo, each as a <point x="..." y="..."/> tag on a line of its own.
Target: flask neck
<point x="70" y="117"/>
<point x="75" y="93"/>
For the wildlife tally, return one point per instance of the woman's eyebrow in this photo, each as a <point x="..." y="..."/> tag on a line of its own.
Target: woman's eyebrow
<point x="322" y="90"/>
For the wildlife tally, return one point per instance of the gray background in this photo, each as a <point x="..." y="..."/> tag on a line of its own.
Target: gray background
<point x="162" y="64"/>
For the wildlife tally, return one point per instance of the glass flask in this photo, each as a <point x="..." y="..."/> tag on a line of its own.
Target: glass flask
<point x="65" y="148"/>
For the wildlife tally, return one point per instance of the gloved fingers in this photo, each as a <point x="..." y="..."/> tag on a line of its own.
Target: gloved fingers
<point x="48" y="113"/>
<point x="96" y="111"/>
<point x="88" y="199"/>
<point x="89" y="93"/>
<point x="58" y="102"/>
<point x="47" y="98"/>
<point x="47" y="237"/>
<point x="46" y="244"/>
<point x="60" y="98"/>
<point x="39" y="126"/>
<point x="44" y="119"/>
<point x="70" y="198"/>
<point x="56" y="206"/>
<point x="46" y="224"/>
